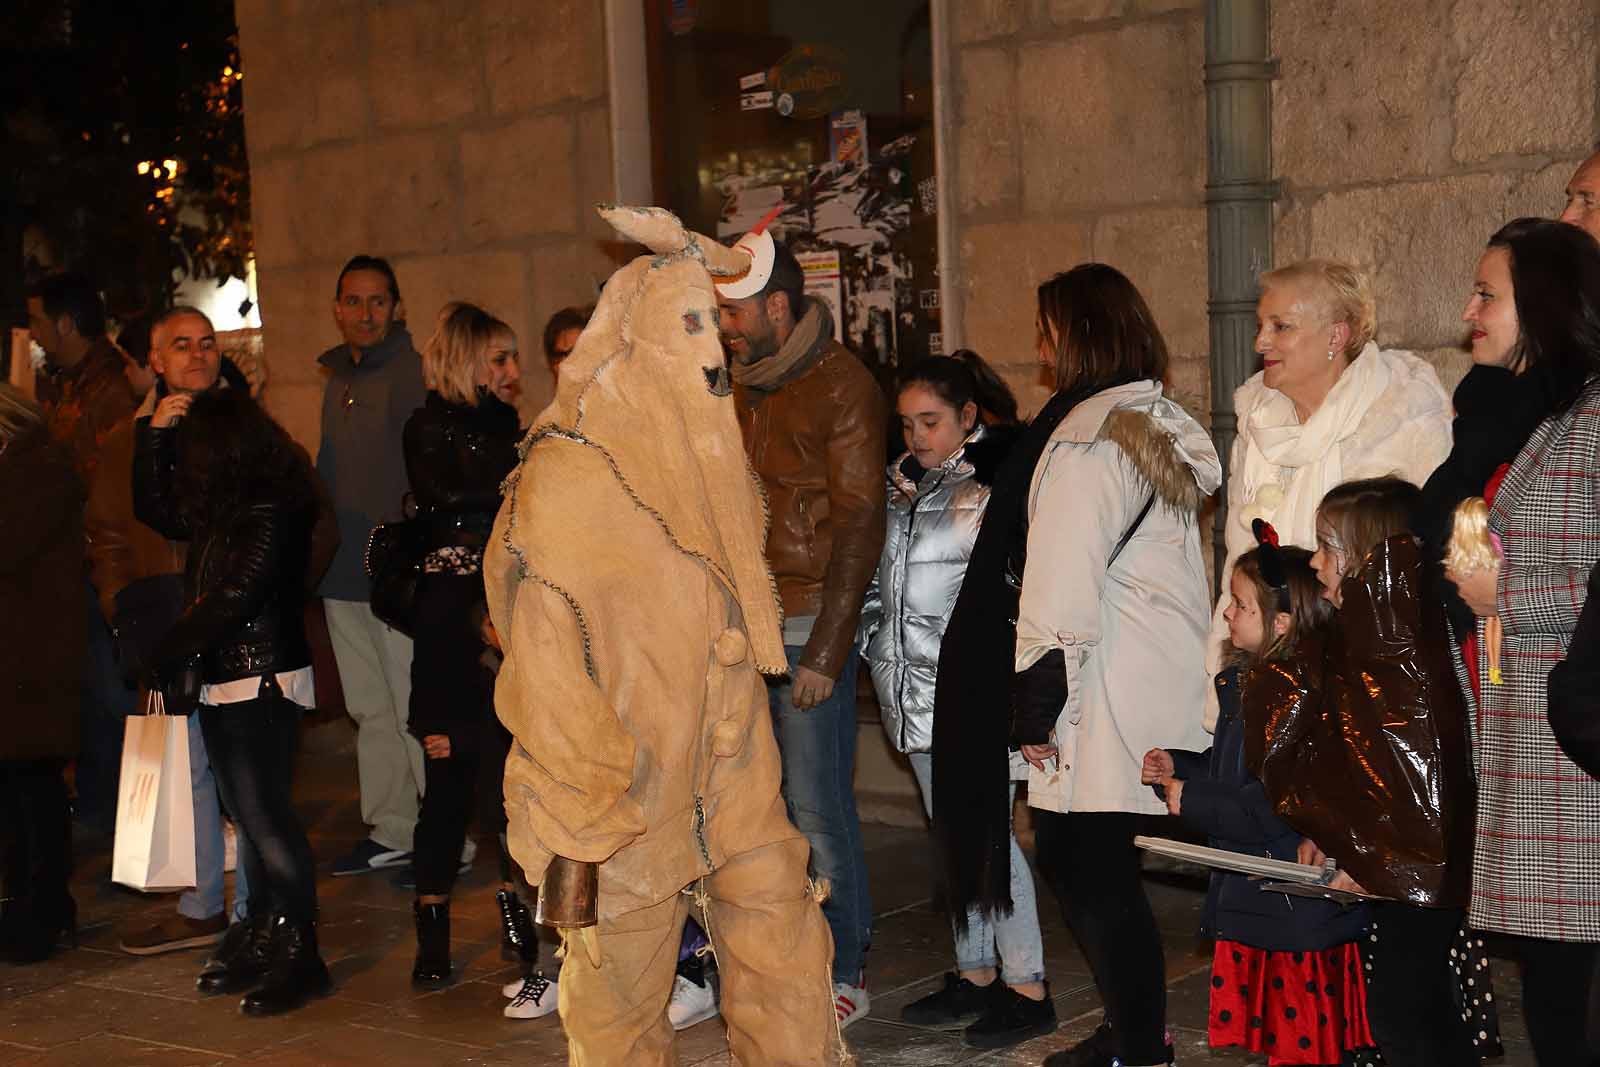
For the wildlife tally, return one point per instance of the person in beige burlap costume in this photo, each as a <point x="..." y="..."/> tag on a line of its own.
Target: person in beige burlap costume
<point x="627" y="577"/>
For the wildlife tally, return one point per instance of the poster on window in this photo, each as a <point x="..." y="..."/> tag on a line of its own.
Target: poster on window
<point x="825" y="282"/>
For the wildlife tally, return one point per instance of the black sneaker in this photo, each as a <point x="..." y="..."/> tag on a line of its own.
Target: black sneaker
<point x="958" y="1004"/>
<point x="1011" y="1019"/>
<point x="1099" y="1049"/>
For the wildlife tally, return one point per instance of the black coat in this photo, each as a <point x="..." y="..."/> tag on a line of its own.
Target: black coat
<point x="456" y="457"/>
<point x="43" y="599"/>
<point x="1222" y="799"/>
<point x="245" y="578"/>
<point x="1496" y="411"/>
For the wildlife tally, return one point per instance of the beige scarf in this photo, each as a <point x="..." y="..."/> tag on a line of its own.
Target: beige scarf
<point x="809" y="337"/>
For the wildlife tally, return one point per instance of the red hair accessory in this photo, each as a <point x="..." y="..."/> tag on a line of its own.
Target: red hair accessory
<point x="1265" y="534"/>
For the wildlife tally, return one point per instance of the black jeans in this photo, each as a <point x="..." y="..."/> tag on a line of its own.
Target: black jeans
<point x="1409" y="1001"/>
<point x="36" y="826"/>
<point x="251" y="745"/>
<point x="447" y="803"/>
<point x="1558" y="999"/>
<point x="1090" y="861"/>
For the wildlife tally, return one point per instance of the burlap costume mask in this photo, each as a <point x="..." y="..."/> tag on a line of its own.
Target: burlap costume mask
<point x="628" y="581"/>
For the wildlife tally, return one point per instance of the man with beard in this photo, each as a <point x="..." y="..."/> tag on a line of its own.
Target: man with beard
<point x="813" y="421"/>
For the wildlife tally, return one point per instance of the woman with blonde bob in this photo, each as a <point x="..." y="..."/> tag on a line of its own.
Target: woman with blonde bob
<point x="458" y="448"/>
<point x="1329" y="406"/>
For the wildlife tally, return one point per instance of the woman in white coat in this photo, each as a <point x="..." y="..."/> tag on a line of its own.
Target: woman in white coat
<point x="1328" y="406"/>
<point x="1111" y="630"/>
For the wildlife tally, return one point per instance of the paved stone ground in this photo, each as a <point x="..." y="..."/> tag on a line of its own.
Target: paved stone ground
<point x="97" y="1006"/>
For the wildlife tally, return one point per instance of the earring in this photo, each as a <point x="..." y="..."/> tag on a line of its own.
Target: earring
<point x="1331" y="354"/>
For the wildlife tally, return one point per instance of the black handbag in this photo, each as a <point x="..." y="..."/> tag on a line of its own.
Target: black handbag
<point x="393" y="563"/>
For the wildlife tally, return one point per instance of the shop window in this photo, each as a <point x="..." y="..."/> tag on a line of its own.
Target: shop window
<point x="820" y="114"/>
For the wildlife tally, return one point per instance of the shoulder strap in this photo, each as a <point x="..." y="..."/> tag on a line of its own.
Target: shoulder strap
<point x="1127" y="535"/>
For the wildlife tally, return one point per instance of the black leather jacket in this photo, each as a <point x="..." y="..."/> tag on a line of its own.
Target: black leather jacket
<point x="456" y="457"/>
<point x="245" y="579"/>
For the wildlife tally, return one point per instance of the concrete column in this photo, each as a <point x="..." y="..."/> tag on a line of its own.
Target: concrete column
<point x="1239" y="196"/>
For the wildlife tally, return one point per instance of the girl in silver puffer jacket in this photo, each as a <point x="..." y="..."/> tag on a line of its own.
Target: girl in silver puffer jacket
<point x="937" y="494"/>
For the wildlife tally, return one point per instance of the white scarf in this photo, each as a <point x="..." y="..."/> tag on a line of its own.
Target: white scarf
<point x="1289" y="464"/>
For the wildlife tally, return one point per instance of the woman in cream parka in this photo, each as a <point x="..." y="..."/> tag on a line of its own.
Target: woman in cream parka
<point x="1111" y="630"/>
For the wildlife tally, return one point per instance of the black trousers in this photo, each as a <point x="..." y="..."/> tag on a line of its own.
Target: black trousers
<point x="1090" y="861"/>
<point x="466" y="783"/>
<point x="1409" y="1001"/>
<point x="36" y="827"/>
<point x="251" y="747"/>
<point x="452" y="693"/>
<point x="1559" y="999"/>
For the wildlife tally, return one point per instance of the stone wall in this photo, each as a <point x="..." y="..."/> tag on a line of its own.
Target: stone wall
<point x="466" y="141"/>
<point x="1403" y="135"/>
<point x="1403" y="158"/>
<point x="1080" y="134"/>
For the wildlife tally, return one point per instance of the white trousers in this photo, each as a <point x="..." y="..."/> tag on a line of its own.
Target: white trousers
<point x="375" y="674"/>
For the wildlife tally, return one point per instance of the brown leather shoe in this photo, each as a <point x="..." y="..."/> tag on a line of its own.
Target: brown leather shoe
<point x="174" y="933"/>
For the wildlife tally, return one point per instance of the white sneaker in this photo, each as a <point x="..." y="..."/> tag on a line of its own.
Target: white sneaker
<point x="230" y="845"/>
<point x="690" y="1003"/>
<point x="536" y="996"/>
<point x="850" y="1002"/>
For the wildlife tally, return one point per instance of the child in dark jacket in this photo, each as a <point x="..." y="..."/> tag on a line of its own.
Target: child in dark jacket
<point x="1286" y="978"/>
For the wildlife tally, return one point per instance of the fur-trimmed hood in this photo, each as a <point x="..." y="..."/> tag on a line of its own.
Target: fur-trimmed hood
<point x="1168" y="448"/>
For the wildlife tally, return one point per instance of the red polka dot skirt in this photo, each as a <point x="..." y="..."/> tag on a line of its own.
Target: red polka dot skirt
<point x="1297" y="1007"/>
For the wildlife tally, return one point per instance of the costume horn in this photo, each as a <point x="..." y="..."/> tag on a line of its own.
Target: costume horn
<point x="661" y="231"/>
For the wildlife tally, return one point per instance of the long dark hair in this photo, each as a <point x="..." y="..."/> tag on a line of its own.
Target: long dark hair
<point x="961" y="377"/>
<point x="1555" y="278"/>
<point x="1104" y="333"/>
<point x="232" y="453"/>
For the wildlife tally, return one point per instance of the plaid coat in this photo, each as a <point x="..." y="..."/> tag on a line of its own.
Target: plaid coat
<point x="1536" y="865"/>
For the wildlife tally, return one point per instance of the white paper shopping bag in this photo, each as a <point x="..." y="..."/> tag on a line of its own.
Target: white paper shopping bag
<point x="154" y="845"/>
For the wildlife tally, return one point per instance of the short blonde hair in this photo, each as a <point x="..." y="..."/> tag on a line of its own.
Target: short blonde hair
<point x="458" y="348"/>
<point x="18" y="414"/>
<point x="1344" y="292"/>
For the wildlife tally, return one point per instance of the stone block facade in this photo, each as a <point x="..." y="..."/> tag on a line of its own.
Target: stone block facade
<point x="466" y="141"/>
<point x="1406" y="134"/>
<point x="1403" y="135"/>
<point x="1079" y="129"/>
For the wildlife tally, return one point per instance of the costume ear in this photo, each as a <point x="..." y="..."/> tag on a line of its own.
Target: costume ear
<point x="656" y="228"/>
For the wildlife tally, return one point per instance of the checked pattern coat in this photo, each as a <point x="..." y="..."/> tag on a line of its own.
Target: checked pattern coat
<point x="1536" y="865"/>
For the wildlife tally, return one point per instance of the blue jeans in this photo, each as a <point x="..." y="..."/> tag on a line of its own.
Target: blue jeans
<point x="107" y="700"/>
<point x="819" y="762"/>
<point x="206" y="898"/>
<point x="1011" y="942"/>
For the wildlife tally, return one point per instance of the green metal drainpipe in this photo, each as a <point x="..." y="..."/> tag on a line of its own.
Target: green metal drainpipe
<point x="1240" y="193"/>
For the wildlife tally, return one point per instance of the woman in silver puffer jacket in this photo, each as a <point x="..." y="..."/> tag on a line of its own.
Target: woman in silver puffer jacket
<point x="937" y="494"/>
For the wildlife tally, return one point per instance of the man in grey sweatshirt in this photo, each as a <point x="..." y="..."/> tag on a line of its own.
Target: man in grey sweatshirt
<point x="374" y="384"/>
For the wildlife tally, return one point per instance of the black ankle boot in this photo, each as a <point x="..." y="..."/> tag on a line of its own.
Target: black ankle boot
<point x="516" y="929"/>
<point x="433" y="943"/>
<point x="240" y="960"/>
<point x="33" y="927"/>
<point x="296" y="973"/>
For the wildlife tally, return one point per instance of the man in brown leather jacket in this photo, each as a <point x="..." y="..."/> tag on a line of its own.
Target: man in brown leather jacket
<point x="84" y="393"/>
<point x="813" y="421"/>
